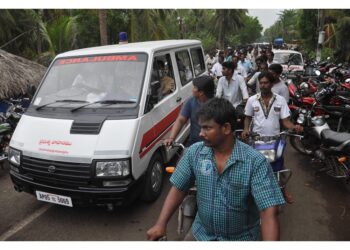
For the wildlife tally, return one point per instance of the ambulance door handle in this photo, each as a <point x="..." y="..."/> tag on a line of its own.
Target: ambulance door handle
<point x="178" y="99"/>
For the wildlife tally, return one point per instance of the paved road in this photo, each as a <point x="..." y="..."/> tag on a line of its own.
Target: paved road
<point x="322" y="207"/>
<point x="321" y="212"/>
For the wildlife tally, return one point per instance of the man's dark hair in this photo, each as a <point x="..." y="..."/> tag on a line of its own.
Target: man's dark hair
<point x="263" y="63"/>
<point x="228" y="65"/>
<point x="205" y="84"/>
<point x="268" y="75"/>
<point x="276" y="67"/>
<point x="220" y="110"/>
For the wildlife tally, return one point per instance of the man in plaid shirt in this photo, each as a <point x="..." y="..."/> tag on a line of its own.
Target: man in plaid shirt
<point x="237" y="193"/>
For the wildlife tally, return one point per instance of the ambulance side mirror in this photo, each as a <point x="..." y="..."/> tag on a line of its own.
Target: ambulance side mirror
<point x="152" y="95"/>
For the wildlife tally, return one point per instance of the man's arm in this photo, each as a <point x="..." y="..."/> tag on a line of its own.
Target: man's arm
<point x="289" y="125"/>
<point x="247" y="122"/>
<point x="219" y="89"/>
<point x="252" y="80"/>
<point x="270" y="229"/>
<point x="179" y="123"/>
<point x="244" y="90"/>
<point x="172" y="202"/>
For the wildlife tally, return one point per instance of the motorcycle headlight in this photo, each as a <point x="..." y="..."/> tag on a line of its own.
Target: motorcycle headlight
<point x="116" y="168"/>
<point x="14" y="156"/>
<point x="270" y="155"/>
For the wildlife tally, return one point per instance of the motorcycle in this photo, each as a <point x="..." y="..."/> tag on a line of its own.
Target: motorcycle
<point x="8" y="123"/>
<point x="331" y="149"/>
<point x="5" y="136"/>
<point x="272" y="147"/>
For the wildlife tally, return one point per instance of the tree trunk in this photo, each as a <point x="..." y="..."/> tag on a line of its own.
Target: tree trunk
<point x="221" y="36"/>
<point x="102" y="14"/>
<point x="38" y="40"/>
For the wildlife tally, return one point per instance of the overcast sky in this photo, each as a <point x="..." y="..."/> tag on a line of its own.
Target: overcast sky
<point x="266" y="17"/>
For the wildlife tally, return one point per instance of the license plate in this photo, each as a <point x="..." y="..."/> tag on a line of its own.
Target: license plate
<point x="54" y="198"/>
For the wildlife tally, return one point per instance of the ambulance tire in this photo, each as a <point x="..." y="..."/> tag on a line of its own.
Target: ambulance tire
<point x="154" y="179"/>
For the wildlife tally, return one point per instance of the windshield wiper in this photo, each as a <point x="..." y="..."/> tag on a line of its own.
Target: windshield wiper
<point x="107" y="102"/>
<point x="65" y="100"/>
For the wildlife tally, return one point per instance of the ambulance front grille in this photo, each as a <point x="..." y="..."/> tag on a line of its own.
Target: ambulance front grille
<point x="58" y="173"/>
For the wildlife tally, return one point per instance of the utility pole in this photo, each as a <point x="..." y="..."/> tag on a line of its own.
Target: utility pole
<point x="321" y="34"/>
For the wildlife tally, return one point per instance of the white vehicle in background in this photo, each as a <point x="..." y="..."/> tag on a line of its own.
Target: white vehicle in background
<point x="290" y="60"/>
<point x="93" y="132"/>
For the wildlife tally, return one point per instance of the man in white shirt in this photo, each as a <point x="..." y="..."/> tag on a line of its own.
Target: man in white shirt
<point x="245" y="62"/>
<point x="270" y="55"/>
<point x="216" y="70"/>
<point x="231" y="87"/>
<point x="279" y="86"/>
<point x="268" y="110"/>
<point x="210" y="60"/>
<point x="239" y="69"/>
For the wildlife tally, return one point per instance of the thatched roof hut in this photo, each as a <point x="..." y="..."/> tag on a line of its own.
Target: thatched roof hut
<point x="17" y="73"/>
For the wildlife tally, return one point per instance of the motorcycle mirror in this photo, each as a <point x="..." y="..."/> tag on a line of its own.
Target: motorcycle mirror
<point x="301" y="119"/>
<point x="317" y="72"/>
<point x="304" y="85"/>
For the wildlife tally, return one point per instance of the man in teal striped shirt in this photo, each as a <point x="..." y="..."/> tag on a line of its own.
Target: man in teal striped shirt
<point x="237" y="193"/>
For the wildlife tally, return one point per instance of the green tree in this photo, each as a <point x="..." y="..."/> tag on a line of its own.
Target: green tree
<point x="342" y="38"/>
<point x="288" y="25"/>
<point x="251" y="32"/>
<point x="60" y="35"/>
<point x="226" y="22"/>
<point x="307" y="26"/>
<point x="147" y="24"/>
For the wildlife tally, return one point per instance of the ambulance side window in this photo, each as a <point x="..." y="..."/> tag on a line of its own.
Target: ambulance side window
<point x="184" y="66"/>
<point x="162" y="81"/>
<point x="198" y="61"/>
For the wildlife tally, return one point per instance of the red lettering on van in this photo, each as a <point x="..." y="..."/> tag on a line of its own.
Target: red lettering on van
<point x="110" y="58"/>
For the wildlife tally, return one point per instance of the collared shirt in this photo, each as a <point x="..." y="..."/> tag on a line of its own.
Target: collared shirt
<point x="217" y="69"/>
<point x="210" y="62"/>
<point x="240" y="70"/>
<point x="234" y="90"/>
<point x="246" y="64"/>
<point x="266" y="120"/>
<point x="228" y="204"/>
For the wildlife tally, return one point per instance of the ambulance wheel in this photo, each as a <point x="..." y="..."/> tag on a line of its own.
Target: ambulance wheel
<point x="154" y="179"/>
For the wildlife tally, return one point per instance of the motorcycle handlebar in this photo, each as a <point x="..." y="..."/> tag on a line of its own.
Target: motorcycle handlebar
<point x="257" y="136"/>
<point x="177" y="144"/>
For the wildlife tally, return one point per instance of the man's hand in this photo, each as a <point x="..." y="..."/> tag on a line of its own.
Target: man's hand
<point x="168" y="142"/>
<point x="156" y="232"/>
<point x="245" y="134"/>
<point x="298" y="128"/>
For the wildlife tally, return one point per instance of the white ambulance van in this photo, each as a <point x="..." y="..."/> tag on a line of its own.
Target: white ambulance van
<point x="93" y="132"/>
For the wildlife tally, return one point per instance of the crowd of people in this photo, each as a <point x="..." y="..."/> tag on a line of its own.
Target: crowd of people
<point x="238" y="195"/>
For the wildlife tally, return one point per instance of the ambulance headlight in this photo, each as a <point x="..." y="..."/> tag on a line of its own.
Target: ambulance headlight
<point x="270" y="155"/>
<point x="117" y="168"/>
<point x="14" y="156"/>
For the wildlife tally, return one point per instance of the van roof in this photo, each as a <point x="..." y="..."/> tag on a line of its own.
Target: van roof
<point x="147" y="47"/>
<point x="285" y="51"/>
